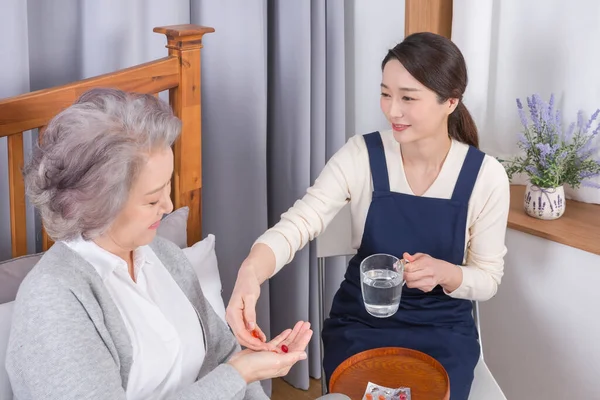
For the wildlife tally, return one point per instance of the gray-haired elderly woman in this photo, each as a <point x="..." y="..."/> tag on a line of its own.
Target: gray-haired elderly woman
<point x="111" y="311"/>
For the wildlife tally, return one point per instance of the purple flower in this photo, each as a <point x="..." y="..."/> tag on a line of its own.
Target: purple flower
<point x="546" y="118"/>
<point x="586" y="174"/>
<point x="562" y="156"/>
<point x="584" y="177"/>
<point x="519" y="104"/>
<point x="533" y="171"/>
<point x="586" y="150"/>
<point x="592" y="119"/>
<point x="570" y="131"/>
<point x="532" y="104"/>
<point x="544" y="149"/>
<point x="522" y="139"/>
<point x="522" y="115"/>
<point x="547" y="152"/>
<point x="580" y="120"/>
<point x="554" y="155"/>
<point x="545" y="121"/>
<point x="590" y="184"/>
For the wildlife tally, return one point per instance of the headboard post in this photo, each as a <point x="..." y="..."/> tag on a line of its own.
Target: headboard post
<point x="185" y="42"/>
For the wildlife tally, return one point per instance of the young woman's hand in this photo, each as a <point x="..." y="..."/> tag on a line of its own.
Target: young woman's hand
<point x="241" y="311"/>
<point x="290" y="348"/>
<point x="424" y="272"/>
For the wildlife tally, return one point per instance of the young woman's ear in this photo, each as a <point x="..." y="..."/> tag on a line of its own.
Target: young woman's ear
<point x="452" y="104"/>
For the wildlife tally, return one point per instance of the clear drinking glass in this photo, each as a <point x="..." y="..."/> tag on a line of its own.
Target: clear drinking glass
<point x="382" y="277"/>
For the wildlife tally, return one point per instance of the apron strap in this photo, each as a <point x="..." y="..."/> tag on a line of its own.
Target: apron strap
<point x="379" y="171"/>
<point x="468" y="175"/>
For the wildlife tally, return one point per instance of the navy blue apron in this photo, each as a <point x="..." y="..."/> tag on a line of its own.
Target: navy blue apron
<point x="433" y="322"/>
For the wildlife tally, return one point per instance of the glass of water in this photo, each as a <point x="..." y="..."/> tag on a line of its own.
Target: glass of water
<point x="382" y="277"/>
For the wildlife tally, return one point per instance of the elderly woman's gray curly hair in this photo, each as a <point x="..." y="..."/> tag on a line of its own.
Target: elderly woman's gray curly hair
<point x="80" y="176"/>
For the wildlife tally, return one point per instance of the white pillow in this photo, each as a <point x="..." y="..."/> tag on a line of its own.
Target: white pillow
<point x="203" y="258"/>
<point x="174" y="227"/>
<point x="6" y="311"/>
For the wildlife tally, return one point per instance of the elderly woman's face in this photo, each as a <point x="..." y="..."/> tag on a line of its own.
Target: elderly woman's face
<point x="148" y="201"/>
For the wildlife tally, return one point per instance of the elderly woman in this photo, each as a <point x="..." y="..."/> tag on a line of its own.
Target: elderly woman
<point x="111" y="311"/>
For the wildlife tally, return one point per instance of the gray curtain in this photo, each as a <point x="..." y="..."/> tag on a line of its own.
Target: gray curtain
<point x="275" y="77"/>
<point x="273" y="95"/>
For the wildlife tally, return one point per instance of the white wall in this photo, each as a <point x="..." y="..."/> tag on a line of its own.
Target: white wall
<point x="373" y="27"/>
<point x="541" y="331"/>
<point x="515" y="48"/>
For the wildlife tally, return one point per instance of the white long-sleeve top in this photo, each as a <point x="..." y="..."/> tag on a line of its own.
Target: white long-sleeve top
<point x="166" y="337"/>
<point x="347" y="178"/>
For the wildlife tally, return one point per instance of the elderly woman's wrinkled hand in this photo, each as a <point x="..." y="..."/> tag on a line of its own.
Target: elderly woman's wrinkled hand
<point x="258" y="365"/>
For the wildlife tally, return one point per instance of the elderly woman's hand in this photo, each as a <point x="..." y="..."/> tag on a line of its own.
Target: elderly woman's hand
<point x="258" y="365"/>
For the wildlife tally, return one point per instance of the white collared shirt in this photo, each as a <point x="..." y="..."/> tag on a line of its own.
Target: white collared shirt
<point x="165" y="332"/>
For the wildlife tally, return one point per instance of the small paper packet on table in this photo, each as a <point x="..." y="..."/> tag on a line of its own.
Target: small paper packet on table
<point x="378" y="392"/>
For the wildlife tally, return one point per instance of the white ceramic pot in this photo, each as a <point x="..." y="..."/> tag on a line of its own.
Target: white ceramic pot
<point x="544" y="203"/>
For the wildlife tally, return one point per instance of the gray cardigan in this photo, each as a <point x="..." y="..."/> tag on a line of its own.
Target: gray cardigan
<point x="68" y="340"/>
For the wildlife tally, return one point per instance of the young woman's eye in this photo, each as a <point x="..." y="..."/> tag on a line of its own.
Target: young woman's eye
<point x="406" y="98"/>
<point x="385" y="95"/>
<point x="153" y="203"/>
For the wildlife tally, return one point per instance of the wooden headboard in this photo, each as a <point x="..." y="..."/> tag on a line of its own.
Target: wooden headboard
<point x="179" y="73"/>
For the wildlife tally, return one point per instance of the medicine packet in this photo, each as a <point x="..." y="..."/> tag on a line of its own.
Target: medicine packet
<point x="378" y="392"/>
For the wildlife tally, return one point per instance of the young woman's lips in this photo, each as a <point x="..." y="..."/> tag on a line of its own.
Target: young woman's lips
<point x="400" y="127"/>
<point x="154" y="225"/>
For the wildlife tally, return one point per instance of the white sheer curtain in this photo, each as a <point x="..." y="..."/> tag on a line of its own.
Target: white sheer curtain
<point x="515" y="48"/>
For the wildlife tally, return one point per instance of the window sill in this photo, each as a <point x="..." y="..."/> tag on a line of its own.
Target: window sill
<point x="579" y="226"/>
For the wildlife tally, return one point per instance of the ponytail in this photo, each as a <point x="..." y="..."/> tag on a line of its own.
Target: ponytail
<point x="461" y="126"/>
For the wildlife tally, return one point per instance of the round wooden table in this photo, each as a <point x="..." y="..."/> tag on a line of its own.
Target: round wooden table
<point x="392" y="367"/>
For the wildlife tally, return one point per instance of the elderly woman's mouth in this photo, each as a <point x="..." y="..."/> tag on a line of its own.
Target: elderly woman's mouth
<point x="154" y="225"/>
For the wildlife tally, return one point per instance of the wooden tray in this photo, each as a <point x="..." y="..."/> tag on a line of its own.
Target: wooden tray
<point x="392" y="367"/>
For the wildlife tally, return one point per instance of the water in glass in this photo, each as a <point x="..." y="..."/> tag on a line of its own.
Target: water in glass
<point x="382" y="279"/>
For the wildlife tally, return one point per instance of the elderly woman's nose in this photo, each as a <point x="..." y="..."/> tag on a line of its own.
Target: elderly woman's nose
<point x="167" y="204"/>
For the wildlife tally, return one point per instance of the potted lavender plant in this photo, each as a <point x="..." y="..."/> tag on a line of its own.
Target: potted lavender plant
<point x="553" y="157"/>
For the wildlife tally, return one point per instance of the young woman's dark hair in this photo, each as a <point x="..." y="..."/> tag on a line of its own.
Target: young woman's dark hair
<point x="438" y="64"/>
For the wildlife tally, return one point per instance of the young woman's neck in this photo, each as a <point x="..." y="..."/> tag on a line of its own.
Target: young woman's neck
<point x="427" y="153"/>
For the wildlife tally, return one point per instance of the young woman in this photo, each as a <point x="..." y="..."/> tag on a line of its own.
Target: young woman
<point x="421" y="191"/>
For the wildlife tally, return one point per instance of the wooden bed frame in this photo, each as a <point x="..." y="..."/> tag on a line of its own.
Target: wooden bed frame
<point x="179" y="73"/>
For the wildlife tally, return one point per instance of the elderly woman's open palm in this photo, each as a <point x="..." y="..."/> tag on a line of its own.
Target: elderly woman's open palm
<point x="290" y="345"/>
<point x="294" y="339"/>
